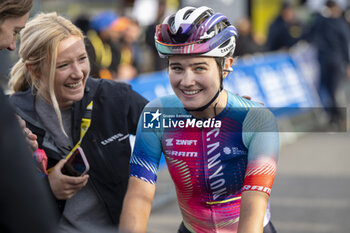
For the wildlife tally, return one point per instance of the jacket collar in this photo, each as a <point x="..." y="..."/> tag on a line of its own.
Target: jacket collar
<point x="24" y="103"/>
<point x="79" y="107"/>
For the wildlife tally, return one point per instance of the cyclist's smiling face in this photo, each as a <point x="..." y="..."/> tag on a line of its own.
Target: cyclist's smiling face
<point x="195" y="80"/>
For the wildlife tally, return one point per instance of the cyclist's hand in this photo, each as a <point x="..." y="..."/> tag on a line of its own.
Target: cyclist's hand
<point x="64" y="187"/>
<point x="249" y="98"/>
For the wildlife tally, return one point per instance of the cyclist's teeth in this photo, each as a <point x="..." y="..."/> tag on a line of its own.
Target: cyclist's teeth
<point x="191" y="92"/>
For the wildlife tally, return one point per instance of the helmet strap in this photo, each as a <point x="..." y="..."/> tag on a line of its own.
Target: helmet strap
<point x="207" y="105"/>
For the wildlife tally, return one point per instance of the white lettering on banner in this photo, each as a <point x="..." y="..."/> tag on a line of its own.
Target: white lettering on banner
<point x="216" y="179"/>
<point x="296" y="92"/>
<point x="244" y="83"/>
<point x="272" y="85"/>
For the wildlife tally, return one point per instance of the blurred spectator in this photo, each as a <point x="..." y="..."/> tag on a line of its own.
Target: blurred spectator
<point x="83" y="23"/>
<point x="330" y="35"/>
<point x="115" y="42"/>
<point x="347" y="16"/>
<point x="159" y="63"/>
<point x="285" y="30"/>
<point x="131" y="55"/>
<point x="103" y="39"/>
<point x="246" y="43"/>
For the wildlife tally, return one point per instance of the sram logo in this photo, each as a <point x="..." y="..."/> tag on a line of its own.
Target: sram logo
<point x="181" y="153"/>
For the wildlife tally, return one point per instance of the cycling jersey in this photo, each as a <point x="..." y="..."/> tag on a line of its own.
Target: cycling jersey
<point x="211" y="161"/>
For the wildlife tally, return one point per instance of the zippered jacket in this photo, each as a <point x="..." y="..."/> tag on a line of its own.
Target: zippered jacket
<point x="116" y="111"/>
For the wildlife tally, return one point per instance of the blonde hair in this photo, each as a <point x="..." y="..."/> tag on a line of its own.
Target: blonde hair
<point x="39" y="42"/>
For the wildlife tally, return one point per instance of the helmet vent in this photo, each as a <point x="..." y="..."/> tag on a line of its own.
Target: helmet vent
<point x="187" y="14"/>
<point x="224" y="44"/>
<point x="171" y="24"/>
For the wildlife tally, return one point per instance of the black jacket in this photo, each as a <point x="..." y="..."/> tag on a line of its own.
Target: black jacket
<point x="23" y="197"/>
<point x="283" y="35"/>
<point x="331" y="37"/>
<point x="116" y="110"/>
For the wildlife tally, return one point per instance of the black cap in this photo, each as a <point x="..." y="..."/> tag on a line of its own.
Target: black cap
<point x="331" y="3"/>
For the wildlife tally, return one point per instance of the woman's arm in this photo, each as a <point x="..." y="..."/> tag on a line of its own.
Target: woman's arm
<point x="137" y="206"/>
<point x="252" y="212"/>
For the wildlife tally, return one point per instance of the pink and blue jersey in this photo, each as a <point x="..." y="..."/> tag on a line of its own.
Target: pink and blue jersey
<point x="211" y="161"/>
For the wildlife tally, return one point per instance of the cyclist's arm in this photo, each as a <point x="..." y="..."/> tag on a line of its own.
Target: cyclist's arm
<point x="261" y="138"/>
<point x="252" y="212"/>
<point x="137" y="206"/>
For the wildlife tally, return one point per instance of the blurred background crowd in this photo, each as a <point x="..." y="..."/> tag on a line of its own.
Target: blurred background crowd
<point x="120" y="35"/>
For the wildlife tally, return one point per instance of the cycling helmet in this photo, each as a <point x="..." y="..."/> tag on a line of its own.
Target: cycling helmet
<point x="197" y="31"/>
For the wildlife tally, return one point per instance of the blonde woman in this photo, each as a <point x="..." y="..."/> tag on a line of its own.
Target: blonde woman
<point x="53" y="93"/>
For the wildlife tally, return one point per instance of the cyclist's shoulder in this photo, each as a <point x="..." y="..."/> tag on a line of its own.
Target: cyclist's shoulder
<point x="169" y="101"/>
<point x="237" y="101"/>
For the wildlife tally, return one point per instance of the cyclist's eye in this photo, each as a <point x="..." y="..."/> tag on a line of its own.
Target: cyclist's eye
<point x="199" y="68"/>
<point x="176" y="68"/>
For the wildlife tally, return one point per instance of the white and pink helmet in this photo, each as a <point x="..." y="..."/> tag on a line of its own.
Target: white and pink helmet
<point x="196" y="31"/>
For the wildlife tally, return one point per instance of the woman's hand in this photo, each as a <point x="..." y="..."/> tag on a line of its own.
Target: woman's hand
<point x="30" y="137"/>
<point x="65" y="187"/>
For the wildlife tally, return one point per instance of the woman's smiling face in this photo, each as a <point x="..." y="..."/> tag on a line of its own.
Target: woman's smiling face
<point x="71" y="71"/>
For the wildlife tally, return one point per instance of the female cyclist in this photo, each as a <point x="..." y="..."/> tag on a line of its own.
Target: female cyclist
<point x="221" y="149"/>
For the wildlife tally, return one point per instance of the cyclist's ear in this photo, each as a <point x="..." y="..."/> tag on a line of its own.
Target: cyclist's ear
<point x="227" y="66"/>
